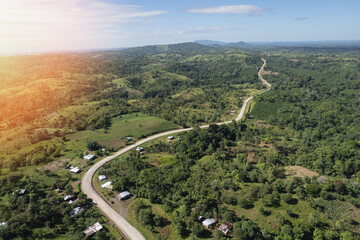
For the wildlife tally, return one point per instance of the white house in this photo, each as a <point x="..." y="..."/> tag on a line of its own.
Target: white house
<point x="107" y="185"/>
<point x="139" y="149"/>
<point x="208" y="222"/>
<point x="124" y="195"/>
<point x="89" y="157"/>
<point x="93" y="229"/>
<point x="170" y="137"/>
<point x="68" y="197"/>
<point x="71" y="202"/>
<point x="74" y="170"/>
<point x="102" y="177"/>
<point x="20" y="191"/>
<point x="76" y="211"/>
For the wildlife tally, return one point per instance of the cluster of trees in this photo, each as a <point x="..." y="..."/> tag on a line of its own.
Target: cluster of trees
<point x="207" y="179"/>
<point x="75" y="92"/>
<point x="41" y="212"/>
<point x="318" y="97"/>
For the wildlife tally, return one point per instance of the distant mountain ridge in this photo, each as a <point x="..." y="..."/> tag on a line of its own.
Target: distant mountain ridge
<point x="329" y="44"/>
<point x="211" y="42"/>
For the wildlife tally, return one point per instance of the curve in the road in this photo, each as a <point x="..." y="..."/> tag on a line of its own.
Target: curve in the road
<point x="126" y="229"/>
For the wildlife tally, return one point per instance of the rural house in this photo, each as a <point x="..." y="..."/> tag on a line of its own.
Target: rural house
<point x="225" y="227"/>
<point x="209" y="222"/>
<point x="124" y="195"/>
<point x="139" y="149"/>
<point x="102" y="177"/>
<point x="93" y="229"/>
<point x="68" y="197"/>
<point x="89" y="157"/>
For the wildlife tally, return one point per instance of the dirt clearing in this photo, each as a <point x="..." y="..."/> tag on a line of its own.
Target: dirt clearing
<point x="298" y="171"/>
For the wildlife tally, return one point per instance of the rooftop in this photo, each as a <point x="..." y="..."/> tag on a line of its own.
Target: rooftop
<point x="93" y="229"/>
<point x="209" y="221"/>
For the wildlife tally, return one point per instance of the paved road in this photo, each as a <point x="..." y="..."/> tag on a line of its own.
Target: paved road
<point x="128" y="231"/>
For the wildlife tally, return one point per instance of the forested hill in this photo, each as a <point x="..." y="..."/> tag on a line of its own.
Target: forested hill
<point x="289" y="170"/>
<point x="49" y="96"/>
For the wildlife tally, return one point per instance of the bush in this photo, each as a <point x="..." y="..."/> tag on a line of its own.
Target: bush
<point x="93" y="145"/>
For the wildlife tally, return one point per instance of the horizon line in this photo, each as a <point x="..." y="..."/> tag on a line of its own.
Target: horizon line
<point x="30" y="53"/>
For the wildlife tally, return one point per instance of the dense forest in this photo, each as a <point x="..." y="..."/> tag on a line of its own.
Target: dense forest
<point x="289" y="170"/>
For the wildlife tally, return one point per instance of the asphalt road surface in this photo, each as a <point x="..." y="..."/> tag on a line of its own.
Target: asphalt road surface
<point x="127" y="230"/>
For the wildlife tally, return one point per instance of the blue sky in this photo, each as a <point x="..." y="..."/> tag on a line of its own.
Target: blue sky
<point x="43" y="25"/>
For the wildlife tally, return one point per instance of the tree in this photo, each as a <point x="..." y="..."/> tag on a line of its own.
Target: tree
<point x="313" y="189"/>
<point x="230" y="216"/>
<point x="197" y="230"/>
<point x="93" y="145"/>
<point x="287" y="197"/>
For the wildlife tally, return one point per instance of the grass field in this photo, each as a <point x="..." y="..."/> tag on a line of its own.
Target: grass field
<point x="135" y="125"/>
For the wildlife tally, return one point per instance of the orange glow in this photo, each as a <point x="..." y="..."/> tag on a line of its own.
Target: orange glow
<point x="50" y="25"/>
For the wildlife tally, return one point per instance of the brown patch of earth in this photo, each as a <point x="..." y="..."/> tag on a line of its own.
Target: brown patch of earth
<point x="113" y="143"/>
<point x="251" y="157"/>
<point x="267" y="145"/>
<point x="56" y="165"/>
<point x="298" y="171"/>
<point x="123" y="206"/>
<point x="154" y="163"/>
<point x="294" y="60"/>
<point x="74" y="184"/>
<point x="262" y="124"/>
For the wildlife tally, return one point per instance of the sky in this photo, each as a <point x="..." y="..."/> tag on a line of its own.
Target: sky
<point x="53" y="25"/>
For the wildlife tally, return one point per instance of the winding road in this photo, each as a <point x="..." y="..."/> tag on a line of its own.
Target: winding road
<point x="127" y="230"/>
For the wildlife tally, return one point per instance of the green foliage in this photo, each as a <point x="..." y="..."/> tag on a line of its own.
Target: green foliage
<point x="93" y="145"/>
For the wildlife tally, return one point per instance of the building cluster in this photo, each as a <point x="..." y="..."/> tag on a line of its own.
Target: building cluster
<point x="224" y="227"/>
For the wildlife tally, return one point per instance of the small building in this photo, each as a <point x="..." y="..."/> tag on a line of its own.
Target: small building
<point x="107" y="185"/>
<point x="2" y="224"/>
<point x="124" y="195"/>
<point x="128" y="139"/>
<point x="93" y="229"/>
<point x="170" y="137"/>
<point x="76" y="211"/>
<point x="139" y="149"/>
<point x="69" y="197"/>
<point x="89" y="157"/>
<point x="72" y="202"/>
<point x="74" y="169"/>
<point x="225" y="227"/>
<point x="20" y="191"/>
<point x="209" y="222"/>
<point x="102" y="177"/>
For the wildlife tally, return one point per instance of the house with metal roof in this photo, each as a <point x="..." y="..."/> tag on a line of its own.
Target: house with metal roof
<point x="102" y="177"/>
<point x="107" y="185"/>
<point x="93" y="229"/>
<point x="225" y="227"/>
<point x="209" y="222"/>
<point x="124" y="195"/>
<point x="89" y="157"/>
<point x="74" y="169"/>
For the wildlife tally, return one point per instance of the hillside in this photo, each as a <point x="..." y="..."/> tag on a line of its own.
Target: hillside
<point x="289" y="170"/>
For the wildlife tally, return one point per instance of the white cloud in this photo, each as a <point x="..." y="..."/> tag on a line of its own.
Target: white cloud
<point x="63" y="24"/>
<point x="234" y="9"/>
<point x="185" y="31"/>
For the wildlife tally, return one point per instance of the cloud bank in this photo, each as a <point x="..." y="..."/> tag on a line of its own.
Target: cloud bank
<point x="64" y="24"/>
<point x="233" y="9"/>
